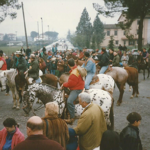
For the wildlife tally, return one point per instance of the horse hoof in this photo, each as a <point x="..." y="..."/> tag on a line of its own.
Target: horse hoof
<point x="26" y="115"/>
<point x="118" y="104"/>
<point x="13" y="107"/>
<point x="7" y="94"/>
<point x="17" y="107"/>
<point x="137" y="95"/>
<point x="131" y="96"/>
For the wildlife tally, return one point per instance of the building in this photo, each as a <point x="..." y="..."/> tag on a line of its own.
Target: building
<point x="42" y="38"/>
<point x="12" y="37"/>
<point x="119" y="35"/>
<point x="1" y="36"/>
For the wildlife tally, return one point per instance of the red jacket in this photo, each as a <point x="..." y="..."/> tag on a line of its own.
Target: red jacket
<point x="75" y="81"/>
<point x="16" y="139"/>
<point x="4" y="67"/>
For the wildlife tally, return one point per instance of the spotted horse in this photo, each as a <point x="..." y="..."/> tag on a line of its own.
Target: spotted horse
<point x="47" y="93"/>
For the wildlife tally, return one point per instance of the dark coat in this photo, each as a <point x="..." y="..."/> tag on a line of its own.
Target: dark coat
<point x="116" y="61"/>
<point x="8" y="62"/>
<point x="104" y="59"/>
<point x="129" y="138"/>
<point x="38" y="142"/>
<point x="22" y="65"/>
<point x="28" y="52"/>
<point x="57" y="130"/>
<point x="49" y="66"/>
<point x="34" y="71"/>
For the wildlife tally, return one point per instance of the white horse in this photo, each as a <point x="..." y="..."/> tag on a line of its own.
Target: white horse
<point x="2" y="80"/>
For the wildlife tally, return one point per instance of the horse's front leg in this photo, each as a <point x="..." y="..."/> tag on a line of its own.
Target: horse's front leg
<point x="18" y="102"/>
<point x="133" y="93"/>
<point x="144" y="73"/>
<point x="121" y="89"/>
<point x="148" y="72"/>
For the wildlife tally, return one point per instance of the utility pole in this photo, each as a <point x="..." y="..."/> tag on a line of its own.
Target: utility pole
<point x="24" y="24"/>
<point x="48" y="32"/>
<point x="42" y="31"/>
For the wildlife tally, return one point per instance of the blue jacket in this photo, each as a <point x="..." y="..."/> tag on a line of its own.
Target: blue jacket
<point x="90" y="67"/>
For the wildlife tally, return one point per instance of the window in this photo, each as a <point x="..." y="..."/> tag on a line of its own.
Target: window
<point x="124" y="33"/>
<point x="137" y="31"/>
<point x="108" y="33"/>
<point x="115" y="33"/>
<point x="116" y="42"/>
<point x="131" y="42"/>
<point x="138" y="21"/>
<point x="124" y="42"/>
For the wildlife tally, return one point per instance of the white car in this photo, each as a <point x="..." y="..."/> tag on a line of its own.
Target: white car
<point x="10" y="44"/>
<point x="20" y="44"/>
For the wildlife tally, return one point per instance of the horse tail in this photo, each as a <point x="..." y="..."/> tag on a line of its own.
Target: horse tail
<point x="111" y="116"/>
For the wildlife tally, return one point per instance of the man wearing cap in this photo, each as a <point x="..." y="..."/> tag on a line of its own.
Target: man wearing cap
<point x="3" y="64"/>
<point x="90" y="67"/>
<point x="103" y="61"/>
<point x="116" y="60"/>
<point x="33" y="71"/>
<point x="20" y="63"/>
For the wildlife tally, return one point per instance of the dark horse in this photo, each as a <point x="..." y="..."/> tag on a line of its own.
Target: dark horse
<point x="143" y="65"/>
<point x="22" y="83"/>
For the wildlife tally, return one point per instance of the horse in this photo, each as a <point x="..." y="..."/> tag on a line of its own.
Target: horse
<point x="10" y="76"/>
<point x="2" y="81"/>
<point x="47" y="93"/>
<point x="133" y="80"/>
<point x="120" y="77"/>
<point x="142" y="64"/>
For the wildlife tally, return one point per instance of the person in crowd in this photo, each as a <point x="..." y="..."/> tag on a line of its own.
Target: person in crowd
<point x="116" y="60"/>
<point x="111" y="55"/>
<point x="54" y="50"/>
<point x="53" y="124"/>
<point x="145" y="55"/>
<point x="44" y="50"/>
<point x="120" y="47"/>
<point x="73" y="140"/>
<point x="124" y="58"/>
<point x="110" y="141"/>
<point x="10" y="136"/>
<point x="76" y="85"/>
<point x="129" y="136"/>
<point x="33" y="71"/>
<point x="54" y="65"/>
<point x="90" y="67"/>
<point x="3" y="64"/>
<point x="81" y="55"/>
<point x="48" y="66"/>
<point x="36" y="140"/>
<point x="28" y="52"/>
<point x="60" y="64"/>
<point x="124" y="48"/>
<point x="22" y="50"/>
<point x="8" y="62"/>
<point x="91" y="124"/>
<point x="45" y="56"/>
<point x="42" y="65"/>
<point x="49" y="53"/>
<point x="20" y="63"/>
<point x="103" y="61"/>
<point x="119" y="53"/>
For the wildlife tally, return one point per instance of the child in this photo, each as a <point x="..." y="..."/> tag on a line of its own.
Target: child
<point x="129" y="136"/>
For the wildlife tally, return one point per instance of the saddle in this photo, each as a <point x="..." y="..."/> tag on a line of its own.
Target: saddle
<point x="95" y="79"/>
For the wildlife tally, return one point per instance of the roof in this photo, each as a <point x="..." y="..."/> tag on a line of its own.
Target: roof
<point x="111" y="26"/>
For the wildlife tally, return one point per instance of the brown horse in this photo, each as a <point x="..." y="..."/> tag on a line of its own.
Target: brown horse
<point x="133" y="80"/>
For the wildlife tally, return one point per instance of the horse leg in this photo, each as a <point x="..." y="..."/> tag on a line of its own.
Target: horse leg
<point x="130" y="88"/>
<point x="144" y="73"/>
<point x="20" y="96"/>
<point x="148" y="72"/>
<point x="18" y="102"/>
<point x="14" y="100"/>
<point x="121" y="89"/>
<point x="137" y="90"/>
<point x="111" y="116"/>
<point x="133" y="93"/>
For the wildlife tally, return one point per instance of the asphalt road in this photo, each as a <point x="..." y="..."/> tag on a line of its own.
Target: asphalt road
<point x="140" y="105"/>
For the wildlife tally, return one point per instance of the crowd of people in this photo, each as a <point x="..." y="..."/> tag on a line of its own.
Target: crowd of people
<point x="51" y="132"/>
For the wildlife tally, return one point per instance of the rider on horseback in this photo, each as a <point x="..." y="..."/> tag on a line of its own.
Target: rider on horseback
<point x="33" y="71"/>
<point x="76" y="85"/>
<point x="145" y="55"/>
<point x="3" y="64"/>
<point x="20" y="63"/>
<point x="90" y="67"/>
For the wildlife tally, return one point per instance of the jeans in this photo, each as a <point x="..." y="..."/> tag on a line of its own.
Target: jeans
<point x="103" y="69"/>
<point x="53" y="72"/>
<point x="38" y="80"/>
<point x="72" y="97"/>
<point x="88" y="80"/>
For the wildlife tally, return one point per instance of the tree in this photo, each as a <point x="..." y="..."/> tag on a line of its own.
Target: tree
<point x="111" y="43"/>
<point x="7" y="8"/>
<point x="69" y="35"/>
<point x="33" y="34"/>
<point x="131" y="9"/>
<point x="6" y="38"/>
<point x="84" y="28"/>
<point x="93" y="46"/>
<point x="52" y="34"/>
<point x="98" y="31"/>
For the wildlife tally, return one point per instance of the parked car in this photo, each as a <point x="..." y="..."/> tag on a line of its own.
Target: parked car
<point x="134" y="52"/>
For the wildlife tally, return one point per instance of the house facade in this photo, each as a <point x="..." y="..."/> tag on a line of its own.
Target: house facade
<point x="12" y="36"/>
<point x="119" y="35"/>
<point x="1" y="36"/>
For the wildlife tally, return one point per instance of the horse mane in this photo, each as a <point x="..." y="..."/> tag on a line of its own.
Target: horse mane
<point x="55" y="88"/>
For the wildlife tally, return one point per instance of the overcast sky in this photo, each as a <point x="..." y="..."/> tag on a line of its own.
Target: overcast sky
<point x="60" y="15"/>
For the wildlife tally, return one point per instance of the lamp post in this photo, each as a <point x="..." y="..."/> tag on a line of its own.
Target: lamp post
<point x="48" y="32"/>
<point x="42" y="30"/>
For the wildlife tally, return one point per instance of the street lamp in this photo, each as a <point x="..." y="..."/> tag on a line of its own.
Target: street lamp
<point x="42" y="30"/>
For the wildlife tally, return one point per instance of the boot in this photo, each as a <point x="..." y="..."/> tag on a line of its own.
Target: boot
<point x="69" y="121"/>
